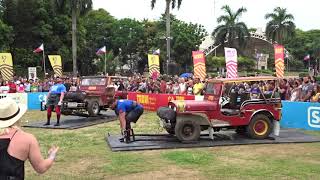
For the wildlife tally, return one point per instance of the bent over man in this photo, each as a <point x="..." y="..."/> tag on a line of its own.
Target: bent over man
<point x="55" y="97"/>
<point x="128" y="111"/>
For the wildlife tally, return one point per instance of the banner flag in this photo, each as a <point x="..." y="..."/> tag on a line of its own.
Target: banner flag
<point x="307" y="57"/>
<point x="154" y="66"/>
<point x="156" y="52"/>
<point x="102" y="50"/>
<point x="39" y="49"/>
<point x="56" y="64"/>
<point x="199" y="63"/>
<point x="231" y="62"/>
<point x="279" y="60"/>
<point x="6" y="68"/>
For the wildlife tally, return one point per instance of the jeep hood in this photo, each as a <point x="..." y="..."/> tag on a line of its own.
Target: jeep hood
<point x="192" y="105"/>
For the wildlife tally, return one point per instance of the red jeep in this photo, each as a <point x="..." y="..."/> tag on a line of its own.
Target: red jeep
<point x="226" y="105"/>
<point x="94" y="93"/>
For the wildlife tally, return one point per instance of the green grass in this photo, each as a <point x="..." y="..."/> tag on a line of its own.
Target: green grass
<point x="84" y="154"/>
<point x="189" y="158"/>
<point x="124" y="163"/>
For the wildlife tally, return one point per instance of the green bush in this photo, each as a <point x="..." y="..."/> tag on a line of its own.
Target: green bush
<point x="266" y="71"/>
<point x="304" y="74"/>
<point x="317" y="78"/>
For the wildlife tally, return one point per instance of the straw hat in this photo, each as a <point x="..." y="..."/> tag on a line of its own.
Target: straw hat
<point x="10" y="112"/>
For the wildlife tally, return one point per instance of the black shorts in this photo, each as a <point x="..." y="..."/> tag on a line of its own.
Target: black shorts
<point x="134" y="115"/>
<point x="53" y="99"/>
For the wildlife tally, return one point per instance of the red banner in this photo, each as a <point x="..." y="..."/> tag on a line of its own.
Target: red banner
<point x="152" y="102"/>
<point x="279" y="60"/>
<point x="199" y="64"/>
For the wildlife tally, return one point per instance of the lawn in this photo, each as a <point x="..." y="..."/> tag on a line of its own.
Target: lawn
<point x="84" y="154"/>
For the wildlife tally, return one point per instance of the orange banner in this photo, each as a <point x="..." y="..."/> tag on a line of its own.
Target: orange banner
<point x="199" y="63"/>
<point x="279" y="60"/>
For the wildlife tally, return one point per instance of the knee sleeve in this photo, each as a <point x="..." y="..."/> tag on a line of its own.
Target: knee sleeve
<point x="49" y="110"/>
<point x="58" y="110"/>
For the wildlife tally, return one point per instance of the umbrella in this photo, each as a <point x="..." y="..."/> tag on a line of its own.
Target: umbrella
<point x="186" y="75"/>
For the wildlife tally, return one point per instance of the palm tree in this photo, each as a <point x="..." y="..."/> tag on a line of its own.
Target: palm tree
<point x="231" y="27"/>
<point x="173" y="5"/>
<point x="281" y="25"/>
<point x="77" y="7"/>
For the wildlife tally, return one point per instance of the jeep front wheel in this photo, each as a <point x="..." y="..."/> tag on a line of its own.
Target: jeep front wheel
<point x="187" y="131"/>
<point x="260" y="127"/>
<point x="93" y="108"/>
<point x="170" y="131"/>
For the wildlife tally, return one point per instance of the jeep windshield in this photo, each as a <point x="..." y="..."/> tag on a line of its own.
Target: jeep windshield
<point x="93" y="82"/>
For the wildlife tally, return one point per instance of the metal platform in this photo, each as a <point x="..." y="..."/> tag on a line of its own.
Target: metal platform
<point x="74" y="122"/>
<point x="165" y="141"/>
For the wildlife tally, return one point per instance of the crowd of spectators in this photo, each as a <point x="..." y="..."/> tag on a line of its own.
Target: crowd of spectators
<point x="304" y="89"/>
<point x="165" y="85"/>
<point x="24" y="85"/>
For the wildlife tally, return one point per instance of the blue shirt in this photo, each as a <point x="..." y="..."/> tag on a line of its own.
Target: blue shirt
<point x="58" y="89"/>
<point x="124" y="105"/>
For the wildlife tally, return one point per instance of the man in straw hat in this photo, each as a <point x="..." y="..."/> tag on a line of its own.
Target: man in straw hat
<point x="16" y="146"/>
<point x="55" y="97"/>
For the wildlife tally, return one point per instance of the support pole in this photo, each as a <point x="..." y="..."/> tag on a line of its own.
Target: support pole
<point x="44" y="63"/>
<point x="105" y="63"/>
<point x="168" y="38"/>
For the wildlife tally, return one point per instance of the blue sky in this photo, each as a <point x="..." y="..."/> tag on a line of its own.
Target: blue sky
<point x="205" y="12"/>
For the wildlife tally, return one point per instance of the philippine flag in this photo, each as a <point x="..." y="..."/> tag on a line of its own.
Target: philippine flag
<point x="39" y="49"/>
<point x="156" y="52"/>
<point x="307" y="57"/>
<point x="101" y="51"/>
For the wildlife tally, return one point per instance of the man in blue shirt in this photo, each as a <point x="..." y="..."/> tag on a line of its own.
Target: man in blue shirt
<point x="54" y="99"/>
<point x="128" y="111"/>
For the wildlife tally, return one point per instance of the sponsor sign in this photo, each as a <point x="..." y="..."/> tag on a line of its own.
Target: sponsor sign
<point x="35" y="99"/>
<point x="152" y="102"/>
<point x="21" y="98"/>
<point x="32" y="73"/>
<point x="302" y="115"/>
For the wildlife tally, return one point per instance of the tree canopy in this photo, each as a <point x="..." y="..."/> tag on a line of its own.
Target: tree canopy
<point x="231" y="29"/>
<point x="127" y="40"/>
<point x="281" y="25"/>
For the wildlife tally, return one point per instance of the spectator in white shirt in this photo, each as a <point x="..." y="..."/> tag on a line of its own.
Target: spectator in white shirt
<point x="182" y="86"/>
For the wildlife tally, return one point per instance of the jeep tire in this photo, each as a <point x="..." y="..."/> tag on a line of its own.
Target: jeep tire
<point x="260" y="127"/>
<point x="171" y="131"/>
<point x="187" y="131"/>
<point x="93" y="108"/>
<point x="167" y="114"/>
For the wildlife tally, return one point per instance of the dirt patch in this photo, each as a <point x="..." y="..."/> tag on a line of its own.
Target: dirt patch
<point x="227" y="160"/>
<point x="84" y="165"/>
<point x="170" y="172"/>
